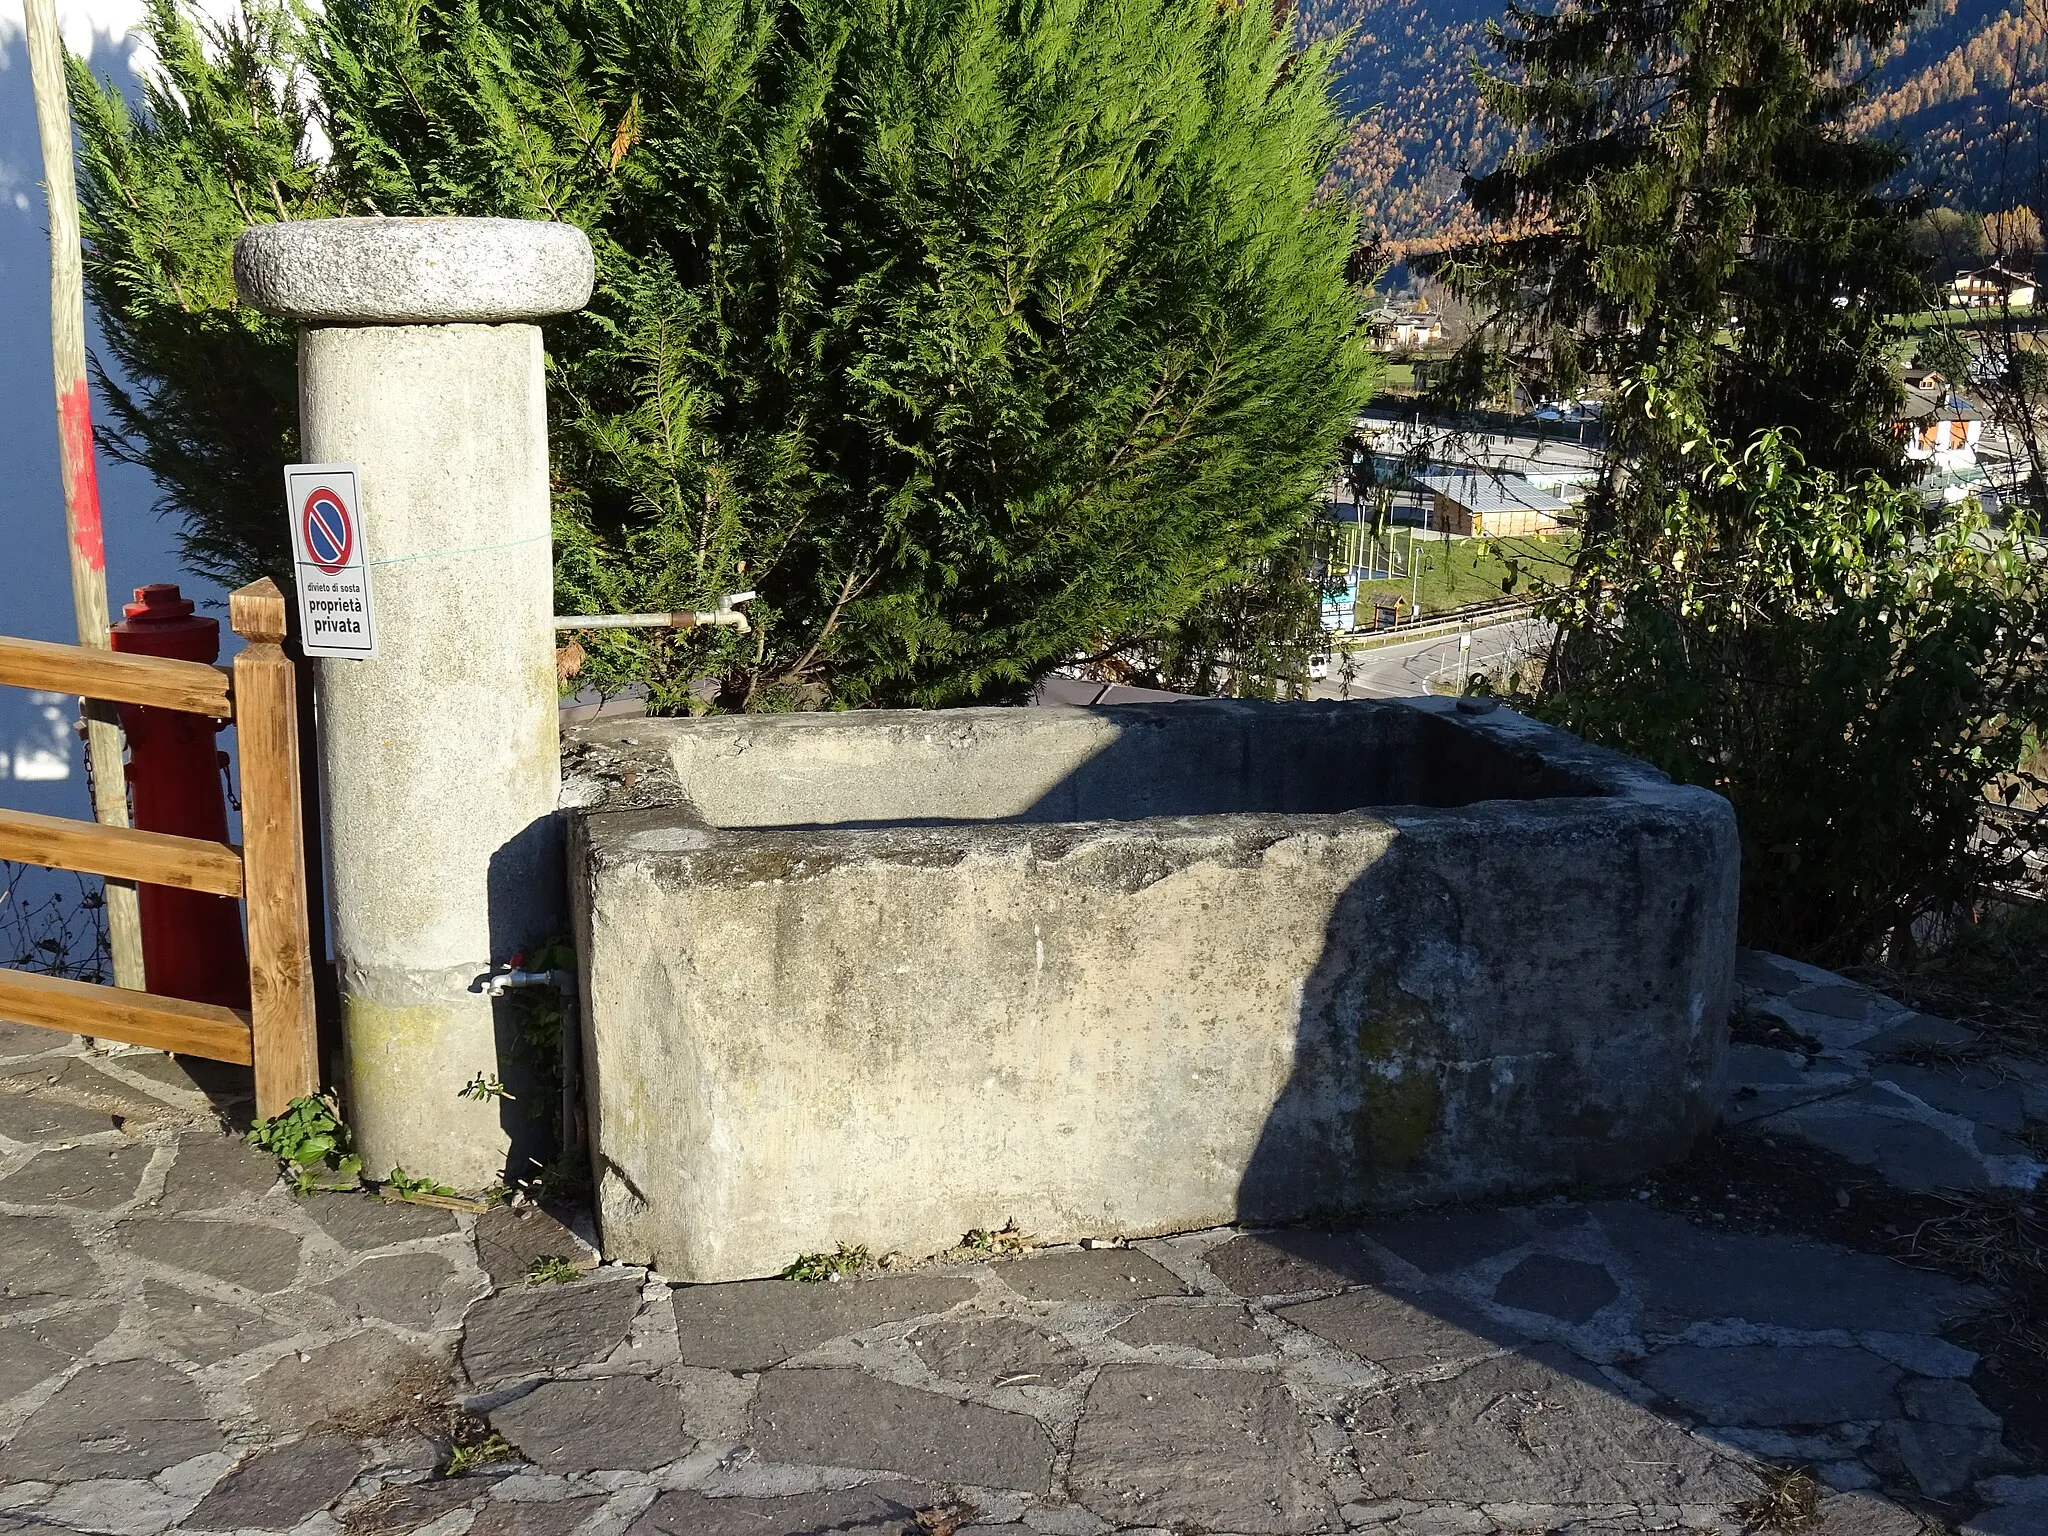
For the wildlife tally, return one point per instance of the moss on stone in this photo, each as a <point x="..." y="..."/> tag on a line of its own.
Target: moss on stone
<point x="1400" y="1100"/>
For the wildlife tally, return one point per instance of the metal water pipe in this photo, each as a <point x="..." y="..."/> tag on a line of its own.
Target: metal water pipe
<point x="727" y="614"/>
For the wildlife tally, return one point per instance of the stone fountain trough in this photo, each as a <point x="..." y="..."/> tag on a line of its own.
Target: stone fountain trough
<point x="884" y="977"/>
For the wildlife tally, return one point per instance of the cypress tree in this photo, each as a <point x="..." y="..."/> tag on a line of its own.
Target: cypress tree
<point x="972" y="335"/>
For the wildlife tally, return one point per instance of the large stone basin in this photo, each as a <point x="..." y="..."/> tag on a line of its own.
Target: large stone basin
<point x="884" y="977"/>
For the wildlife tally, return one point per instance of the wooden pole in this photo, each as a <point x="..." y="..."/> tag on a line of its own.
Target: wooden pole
<point x="274" y="862"/>
<point x="81" y="479"/>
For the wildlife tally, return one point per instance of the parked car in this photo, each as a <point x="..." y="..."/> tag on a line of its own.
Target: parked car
<point x="1585" y="408"/>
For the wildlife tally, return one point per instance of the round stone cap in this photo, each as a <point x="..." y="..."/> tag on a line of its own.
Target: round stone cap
<point x="414" y="271"/>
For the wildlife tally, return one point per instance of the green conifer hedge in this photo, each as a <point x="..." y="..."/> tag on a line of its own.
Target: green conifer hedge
<point x="971" y="333"/>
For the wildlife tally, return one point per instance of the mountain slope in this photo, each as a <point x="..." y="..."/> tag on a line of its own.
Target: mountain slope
<point x="1963" y="90"/>
<point x="1406" y="75"/>
<point x="1965" y="94"/>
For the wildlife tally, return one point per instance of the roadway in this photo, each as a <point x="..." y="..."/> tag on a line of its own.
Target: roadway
<point x="1401" y="671"/>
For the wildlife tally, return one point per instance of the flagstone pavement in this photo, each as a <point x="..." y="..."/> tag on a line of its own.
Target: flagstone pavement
<point x="186" y="1345"/>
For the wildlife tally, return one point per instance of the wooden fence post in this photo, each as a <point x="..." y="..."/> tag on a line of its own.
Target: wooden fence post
<point x="274" y="875"/>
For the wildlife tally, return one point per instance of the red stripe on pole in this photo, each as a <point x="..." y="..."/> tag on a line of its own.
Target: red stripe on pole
<point x="74" y="437"/>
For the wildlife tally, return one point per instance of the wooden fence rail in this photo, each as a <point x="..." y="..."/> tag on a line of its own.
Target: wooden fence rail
<point x="149" y="858"/>
<point x="118" y="677"/>
<point x="276" y="1034"/>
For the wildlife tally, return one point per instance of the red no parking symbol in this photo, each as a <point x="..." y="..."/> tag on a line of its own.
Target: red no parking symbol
<point x="330" y="532"/>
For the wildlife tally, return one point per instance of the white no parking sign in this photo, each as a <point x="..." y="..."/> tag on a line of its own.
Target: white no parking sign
<point x="325" y="505"/>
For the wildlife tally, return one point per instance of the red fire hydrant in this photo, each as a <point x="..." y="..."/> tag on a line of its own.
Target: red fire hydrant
<point x="192" y="944"/>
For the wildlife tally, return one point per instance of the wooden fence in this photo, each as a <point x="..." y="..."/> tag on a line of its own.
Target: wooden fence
<point x="267" y="872"/>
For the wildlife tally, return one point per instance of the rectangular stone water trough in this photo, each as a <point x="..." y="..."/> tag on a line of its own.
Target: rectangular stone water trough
<point x="883" y="977"/>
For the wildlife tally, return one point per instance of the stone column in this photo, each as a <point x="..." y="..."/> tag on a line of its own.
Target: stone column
<point x="420" y="362"/>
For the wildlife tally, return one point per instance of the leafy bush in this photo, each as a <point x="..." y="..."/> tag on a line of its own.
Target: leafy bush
<point x="970" y="335"/>
<point x="1862" y="678"/>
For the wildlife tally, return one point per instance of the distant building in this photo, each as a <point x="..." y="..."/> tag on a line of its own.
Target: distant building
<point x="1470" y="504"/>
<point x="1991" y="287"/>
<point x="1404" y="330"/>
<point x="1940" y="428"/>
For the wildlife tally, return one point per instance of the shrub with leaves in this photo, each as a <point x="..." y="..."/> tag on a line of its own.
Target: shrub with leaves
<point x="1861" y="677"/>
<point x="971" y="336"/>
<point x="221" y="140"/>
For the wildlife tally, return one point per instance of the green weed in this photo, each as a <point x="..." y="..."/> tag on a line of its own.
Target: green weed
<point x="467" y="1458"/>
<point x="406" y="1187"/>
<point x="1003" y="1239"/>
<point x="311" y="1141"/>
<point x="549" y="1270"/>
<point x="851" y="1259"/>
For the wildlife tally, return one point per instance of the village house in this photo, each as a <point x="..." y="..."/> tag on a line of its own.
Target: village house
<point x="1940" y="428"/>
<point x="1991" y="288"/>
<point x="1403" y="330"/>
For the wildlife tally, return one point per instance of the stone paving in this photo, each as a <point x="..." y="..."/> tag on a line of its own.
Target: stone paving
<point x="186" y="1345"/>
<point x="1859" y="1084"/>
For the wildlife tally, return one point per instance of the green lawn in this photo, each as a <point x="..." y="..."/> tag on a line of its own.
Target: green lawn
<point x="1937" y="319"/>
<point x="1456" y="573"/>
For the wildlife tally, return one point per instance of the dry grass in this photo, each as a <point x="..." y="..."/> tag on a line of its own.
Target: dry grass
<point x="2034" y="1137"/>
<point x="2015" y="1328"/>
<point x="1988" y="976"/>
<point x="422" y="1402"/>
<point x="944" y="1519"/>
<point x="1997" y="1236"/>
<point x="1790" y="1502"/>
<point x="420" y="1398"/>
<point x="1745" y="1181"/>
<point x="1752" y="1026"/>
